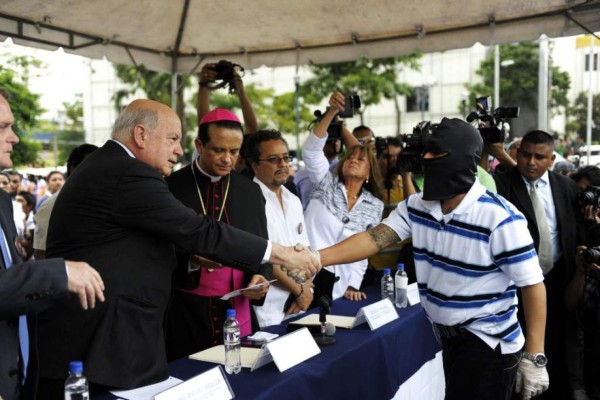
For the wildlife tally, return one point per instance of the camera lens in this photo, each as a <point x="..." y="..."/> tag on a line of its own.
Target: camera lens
<point x="591" y="255"/>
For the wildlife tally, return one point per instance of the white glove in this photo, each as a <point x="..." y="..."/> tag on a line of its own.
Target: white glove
<point x="531" y="380"/>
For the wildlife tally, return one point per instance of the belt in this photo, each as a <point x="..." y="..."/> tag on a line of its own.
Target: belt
<point x="449" y="332"/>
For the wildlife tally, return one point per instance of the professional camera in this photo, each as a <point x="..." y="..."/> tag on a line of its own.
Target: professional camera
<point x="492" y="126"/>
<point x="410" y="160"/>
<point x="591" y="255"/>
<point x="226" y="71"/>
<point x="590" y="197"/>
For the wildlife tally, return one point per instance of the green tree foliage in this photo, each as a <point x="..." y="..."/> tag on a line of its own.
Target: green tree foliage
<point x="519" y="83"/>
<point x="156" y="86"/>
<point x="26" y="109"/>
<point x="372" y="80"/>
<point x="577" y="114"/>
<point x="72" y="134"/>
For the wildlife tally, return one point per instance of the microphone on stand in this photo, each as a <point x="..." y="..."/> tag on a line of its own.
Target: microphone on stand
<point x="325" y="308"/>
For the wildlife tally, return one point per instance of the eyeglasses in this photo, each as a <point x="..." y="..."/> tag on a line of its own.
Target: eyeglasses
<point x="364" y="141"/>
<point x="276" y="160"/>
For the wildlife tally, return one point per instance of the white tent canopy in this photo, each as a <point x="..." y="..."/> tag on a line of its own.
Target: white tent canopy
<point x="178" y="35"/>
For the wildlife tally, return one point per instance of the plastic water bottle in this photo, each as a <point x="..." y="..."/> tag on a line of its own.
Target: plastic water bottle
<point x="387" y="285"/>
<point x="76" y="385"/>
<point x="401" y="283"/>
<point x="231" y="339"/>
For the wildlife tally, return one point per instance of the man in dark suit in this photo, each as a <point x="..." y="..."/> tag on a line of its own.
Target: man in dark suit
<point x="27" y="288"/>
<point x="558" y="195"/>
<point x="210" y="187"/>
<point x="117" y="212"/>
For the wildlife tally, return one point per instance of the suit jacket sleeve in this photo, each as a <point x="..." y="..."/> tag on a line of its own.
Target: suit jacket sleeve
<point x="146" y="203"/>
<point x="32" y="287"/>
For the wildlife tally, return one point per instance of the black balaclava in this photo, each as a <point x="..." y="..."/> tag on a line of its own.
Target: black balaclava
<point x="454" y="173"/>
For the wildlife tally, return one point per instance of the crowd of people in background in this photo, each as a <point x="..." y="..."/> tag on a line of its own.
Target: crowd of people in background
<point x="244" y="178"/>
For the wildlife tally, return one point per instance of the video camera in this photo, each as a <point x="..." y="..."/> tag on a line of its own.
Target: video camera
<point x="492" y="126"/>
<point x="410" y="160"/>
<point x="590" y="197"/>
<point x="334" y="130"/>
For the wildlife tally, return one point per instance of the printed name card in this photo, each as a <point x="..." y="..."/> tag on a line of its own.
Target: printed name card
<point x="412" y="294"/>
<point x="292" y="349"/>
<point x="210" y="385"/>
<point x="377" y="314"/>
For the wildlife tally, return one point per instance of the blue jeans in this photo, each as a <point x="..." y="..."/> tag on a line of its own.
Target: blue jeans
<point x="475" y="371"/>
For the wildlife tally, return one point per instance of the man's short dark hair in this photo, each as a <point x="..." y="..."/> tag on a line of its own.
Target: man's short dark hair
<point x="78" y="154"/>
<point x="589" y="172"/>
<point x="252" y="145"/>
<point x="54" y="173"/>
<point x="28" y="197"/>
<point x="538" y="137"/>
<point x="361" y="128"/>
<point x="203" y="129"/>
<point x="13" y="173"/>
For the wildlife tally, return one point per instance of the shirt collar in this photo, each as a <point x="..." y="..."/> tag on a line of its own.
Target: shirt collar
<point x="124" y="147"/>
<point x="542" y="181"/>
<point x="213" y="179"/>
<point x="472" y="196"/>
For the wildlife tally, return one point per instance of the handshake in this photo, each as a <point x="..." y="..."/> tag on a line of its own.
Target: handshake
<point x="299" y="262"/>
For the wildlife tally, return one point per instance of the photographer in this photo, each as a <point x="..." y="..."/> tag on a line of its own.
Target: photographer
<point x="583" y="296"/>
<point x="341" y="203"/>
<point x="207" y="78"/>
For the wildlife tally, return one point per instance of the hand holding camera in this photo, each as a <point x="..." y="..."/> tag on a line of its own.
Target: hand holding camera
<point x="228" y="73"/>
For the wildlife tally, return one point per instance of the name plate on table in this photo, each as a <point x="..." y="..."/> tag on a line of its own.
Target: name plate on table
<point x="210" y="385"/>
<point x="412" y="294"/>
<point x="377" y="314"/>
<point x="286" y="351"/>
<point x="291" y="349"/>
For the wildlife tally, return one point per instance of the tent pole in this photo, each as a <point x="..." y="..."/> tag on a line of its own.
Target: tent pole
<point x="588" y="128"/>
<point x="297" y="100"/>
<point x="543" y="85"/>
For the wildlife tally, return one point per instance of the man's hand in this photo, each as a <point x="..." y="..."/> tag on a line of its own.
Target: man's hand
<point x="302" y="302"/>
<point x="255" y="294"/>
<point x="197" y="262"/>
<point x="298" y="262"/>
<point x="354" y="295"/>
<point x="85" y="282"/>
<point x="238" y="85"/>
<point x="531" y="380"/>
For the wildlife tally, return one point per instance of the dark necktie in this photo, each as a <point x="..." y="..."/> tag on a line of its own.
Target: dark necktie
<point x="23" y="332"/>
<point x="545" y="247"/>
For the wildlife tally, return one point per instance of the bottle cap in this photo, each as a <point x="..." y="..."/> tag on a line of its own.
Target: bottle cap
<point x="387" y="271"/>
<point x="230" y="313"/>
<point x="76" y="367"/>
<point x="401" y="266"/>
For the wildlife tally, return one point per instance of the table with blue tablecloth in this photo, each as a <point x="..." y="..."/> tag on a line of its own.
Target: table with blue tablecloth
<point x="362" y="364"/>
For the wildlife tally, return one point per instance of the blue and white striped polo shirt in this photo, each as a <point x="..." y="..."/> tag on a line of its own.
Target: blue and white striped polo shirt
<point x="469" y="262"/>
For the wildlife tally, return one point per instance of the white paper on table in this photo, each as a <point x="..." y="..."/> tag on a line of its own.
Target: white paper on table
<point x="216" y="354"/>
<point x="262" y="336"/>
<point x="147" y="392"/>
<point x="240" y="291"/>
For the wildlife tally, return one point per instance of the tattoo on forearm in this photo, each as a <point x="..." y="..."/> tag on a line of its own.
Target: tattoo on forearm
<point x="383" y="236"/>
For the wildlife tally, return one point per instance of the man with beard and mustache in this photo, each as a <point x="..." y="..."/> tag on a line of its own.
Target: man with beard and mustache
<point x="211" y="187"/>
<point x="471" y="249"/>
<point x="267" y="154"/>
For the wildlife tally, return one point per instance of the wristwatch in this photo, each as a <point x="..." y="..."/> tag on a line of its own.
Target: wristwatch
<point x="539" y="360"/>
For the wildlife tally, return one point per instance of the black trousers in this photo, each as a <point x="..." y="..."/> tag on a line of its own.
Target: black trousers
<point x="475" y="371"/>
